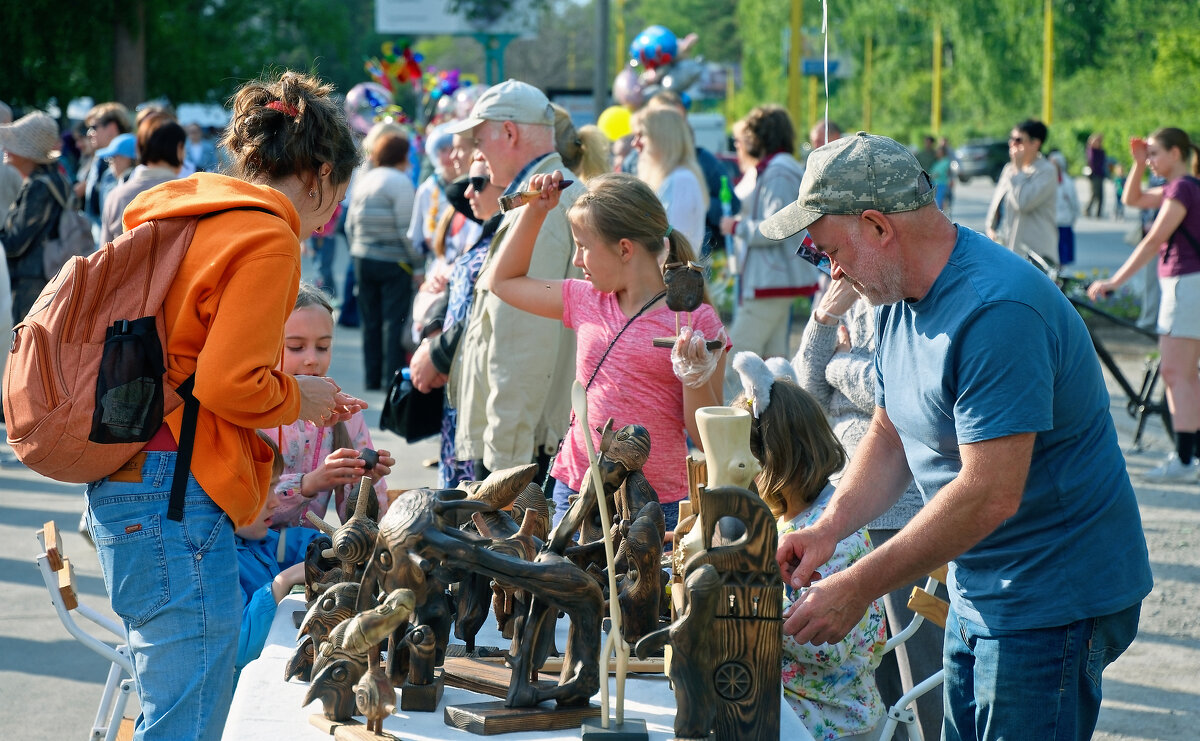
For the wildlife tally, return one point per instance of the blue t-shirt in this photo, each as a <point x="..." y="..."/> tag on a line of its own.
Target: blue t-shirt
<point x="995" y="349"/>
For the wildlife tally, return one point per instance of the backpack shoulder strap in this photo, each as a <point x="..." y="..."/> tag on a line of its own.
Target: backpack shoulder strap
<point x="191" y="411"/>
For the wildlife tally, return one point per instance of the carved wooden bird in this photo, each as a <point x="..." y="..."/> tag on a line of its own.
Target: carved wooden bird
<point x="375" y="697"/>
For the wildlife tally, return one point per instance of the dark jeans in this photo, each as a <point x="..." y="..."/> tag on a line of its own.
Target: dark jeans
<point x="385" y="294"/>
<point x="1097" y="196"/>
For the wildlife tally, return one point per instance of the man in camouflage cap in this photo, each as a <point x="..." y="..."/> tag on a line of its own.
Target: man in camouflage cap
<point x="989" y="394"/>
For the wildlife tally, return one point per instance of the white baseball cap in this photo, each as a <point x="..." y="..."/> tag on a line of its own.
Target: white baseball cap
<point x="511" y="100"/>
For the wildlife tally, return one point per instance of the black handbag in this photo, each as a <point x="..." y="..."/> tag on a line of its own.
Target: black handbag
<point x="409" y="413"/>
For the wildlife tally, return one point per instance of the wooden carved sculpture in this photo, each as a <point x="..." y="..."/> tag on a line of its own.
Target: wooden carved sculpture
<point x="343" y="658"/>
<point x="418" y="527"/>
<point x="509" y="602"/>
<point x="422" y="689"/>
<point x="640" y="586"/>
<point x="353" y="541"/>
<point x="336" y="604"/>
<point x="319" y="572"/>
<point x="374" y="695"/>
<point x="692" y="662"/>
<point x="746" y="634"/>
<point x="685" y="292"/>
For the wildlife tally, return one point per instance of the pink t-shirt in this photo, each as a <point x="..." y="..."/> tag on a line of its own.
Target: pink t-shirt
<point x="634" y="386"/>
<point x="1178" y="256"/>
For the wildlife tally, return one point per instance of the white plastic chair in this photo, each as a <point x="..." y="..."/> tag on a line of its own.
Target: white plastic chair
<point x="926" y="606"/>
<point x="110" y="723"/>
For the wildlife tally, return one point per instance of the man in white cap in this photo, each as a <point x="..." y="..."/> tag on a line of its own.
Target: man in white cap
<point x="31" y="146"/>
<point x="989" y="395"/>
<point x="511" y="380"/>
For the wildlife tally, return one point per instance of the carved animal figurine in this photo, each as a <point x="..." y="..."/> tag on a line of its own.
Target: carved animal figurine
<point x="342" y="659"/>
<point x="353" y="541"/>
<point x="420" y="641"/>
<point x="640" y="589"/>
<point x="418" y="526"/>
<point x="317" y="567"/>
<point x="693" y="661"/>
<point x="685" y="285"/>
<point x="374" y="696"/>
<point x="335" y="604"/>
<point x="532" y="499"/>
<point x="501" y="488"/>
<point x="299" y="666"/>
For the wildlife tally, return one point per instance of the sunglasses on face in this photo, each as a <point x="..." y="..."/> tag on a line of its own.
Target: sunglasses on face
<point x="808" y="252"/>
<point x="479" y="183"/>
<point x="1017" y="140"/>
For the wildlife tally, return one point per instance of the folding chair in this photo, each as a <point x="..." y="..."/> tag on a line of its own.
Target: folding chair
<point x="110" y="723"/>
<point x="927" y="606"/>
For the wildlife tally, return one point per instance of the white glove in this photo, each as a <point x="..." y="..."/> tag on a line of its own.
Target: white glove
<point x="692" y="362"/>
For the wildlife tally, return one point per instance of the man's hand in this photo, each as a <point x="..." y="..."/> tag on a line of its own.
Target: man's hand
<point x="801" y="552"/>
<point x="827" y="611"/>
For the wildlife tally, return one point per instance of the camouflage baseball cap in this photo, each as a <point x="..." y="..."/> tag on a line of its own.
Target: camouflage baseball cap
<point x="851" y="175"/>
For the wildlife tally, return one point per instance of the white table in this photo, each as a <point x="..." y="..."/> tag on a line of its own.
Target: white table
<point x="267" y="708"/>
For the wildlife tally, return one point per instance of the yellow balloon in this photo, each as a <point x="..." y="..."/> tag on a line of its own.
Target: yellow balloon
<point x="615" y="122"/>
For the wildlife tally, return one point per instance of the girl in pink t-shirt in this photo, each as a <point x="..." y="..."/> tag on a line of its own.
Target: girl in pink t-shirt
<point x="622" y="240"/>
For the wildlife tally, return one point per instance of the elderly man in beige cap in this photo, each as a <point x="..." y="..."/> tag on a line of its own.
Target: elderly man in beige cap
<point x="511" y="379"/>
<point x="31" y="146"/>
<point x="990" y="396"/>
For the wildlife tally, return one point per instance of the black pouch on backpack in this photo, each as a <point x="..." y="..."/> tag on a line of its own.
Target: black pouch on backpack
<point x="129" y="386"/>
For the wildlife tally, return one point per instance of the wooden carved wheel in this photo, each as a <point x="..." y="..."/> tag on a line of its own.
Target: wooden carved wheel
<point x="732" y="680"/>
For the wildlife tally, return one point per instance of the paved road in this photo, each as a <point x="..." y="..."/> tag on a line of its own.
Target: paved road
<point x="50" y="685"/>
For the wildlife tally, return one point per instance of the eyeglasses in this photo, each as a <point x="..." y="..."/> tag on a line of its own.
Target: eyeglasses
<point x="479" y="183"/>
<point x="808" y="252"/>
<point x="1017" y="140"/>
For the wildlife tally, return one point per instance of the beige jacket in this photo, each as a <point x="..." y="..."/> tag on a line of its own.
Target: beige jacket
<point x="511" y="378"/>
<point x="1023" y="209"/>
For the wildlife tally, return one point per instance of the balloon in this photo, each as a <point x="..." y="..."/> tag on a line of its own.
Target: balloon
<point x="615" y="122"/>
<point x="464" y="99"/>
<point x="627" y="88"/>
<point x="363" y="101"/>
<point x="654" y="47"/>
<point x="682" y="75"/>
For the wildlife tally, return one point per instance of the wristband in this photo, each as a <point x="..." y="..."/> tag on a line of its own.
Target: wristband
<point x="828" y="315"/>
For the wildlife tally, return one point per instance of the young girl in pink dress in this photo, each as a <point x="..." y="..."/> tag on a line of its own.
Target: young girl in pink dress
<point x="622" y="240"/>
<point x="319" y="462"/>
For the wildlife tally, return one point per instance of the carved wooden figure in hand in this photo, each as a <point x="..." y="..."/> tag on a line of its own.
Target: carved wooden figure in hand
<point x="685" y="292"/>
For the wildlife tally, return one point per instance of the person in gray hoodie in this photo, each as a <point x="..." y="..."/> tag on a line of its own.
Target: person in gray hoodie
<point x="769" y="275"/>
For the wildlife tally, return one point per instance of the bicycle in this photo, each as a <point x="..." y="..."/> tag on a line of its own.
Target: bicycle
<point x="1141" y="402"/>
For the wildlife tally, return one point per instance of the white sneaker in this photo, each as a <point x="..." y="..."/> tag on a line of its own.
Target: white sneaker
<point x="1174" y="471"/>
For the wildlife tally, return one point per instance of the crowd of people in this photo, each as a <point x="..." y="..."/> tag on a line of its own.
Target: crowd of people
<point x="943" y="405"/>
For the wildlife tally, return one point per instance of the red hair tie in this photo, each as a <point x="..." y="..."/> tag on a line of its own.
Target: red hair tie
<point x="286" y="109"/>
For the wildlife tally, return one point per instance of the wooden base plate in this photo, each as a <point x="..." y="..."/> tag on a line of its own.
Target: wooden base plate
<point x="489" y="718"/>
<point x="348" y="730"/>
<point x="422" y="698"/>
<point x="633" y="729"/>
<point x="485" y="677"/>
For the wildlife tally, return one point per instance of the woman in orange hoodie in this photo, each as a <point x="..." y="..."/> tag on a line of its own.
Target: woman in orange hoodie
<point x="174" y="581"/>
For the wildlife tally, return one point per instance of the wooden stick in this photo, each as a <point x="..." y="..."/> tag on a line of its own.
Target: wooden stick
<point x="614" y="641"/>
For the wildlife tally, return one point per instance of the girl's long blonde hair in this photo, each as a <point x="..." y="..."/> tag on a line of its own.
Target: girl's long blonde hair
<point x="671" y="147"/>
<point x="619" y="206"/>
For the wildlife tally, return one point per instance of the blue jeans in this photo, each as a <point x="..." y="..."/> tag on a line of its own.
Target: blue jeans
<point x="175" y="587"/>
<point x="1039" y="684"/>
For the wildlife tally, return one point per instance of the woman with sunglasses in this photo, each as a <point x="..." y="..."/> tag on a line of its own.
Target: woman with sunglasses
<point x="770" y="275"/>
<point x="1022" y="214"/>
<point x="476" y="197"/>
<point x="1175" y="238"/>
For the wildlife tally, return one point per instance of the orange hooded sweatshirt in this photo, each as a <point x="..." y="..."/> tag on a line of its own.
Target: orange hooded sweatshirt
<point x="225" y="313"/>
